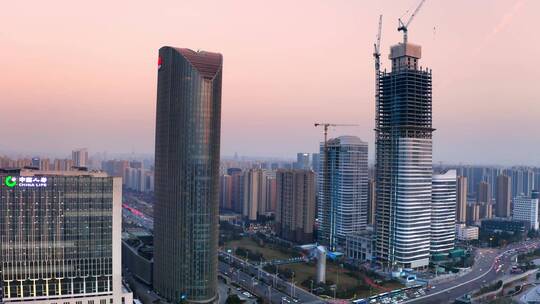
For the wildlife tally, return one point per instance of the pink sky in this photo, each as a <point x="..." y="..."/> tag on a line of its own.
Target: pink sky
<point x="75" y="75"/>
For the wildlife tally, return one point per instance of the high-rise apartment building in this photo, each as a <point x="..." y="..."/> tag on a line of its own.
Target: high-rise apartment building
<point x="63" y="165"/>
<point x="461" y="200"/>
<point x="237" y="189"/>
<point x="403" y="128"/>
<point x="343" y="187"/>
<point x="80" y="157"/>
<point x="504" y="196"/>
<point x="484" y="192"/>
<point x="295" y="214"/>
<point x="271" y="194"/>
<point x="115" y="167"/>
<point x="61" y="237"/>
<point x="443" y="212"/>
<point x="315" y="160"/>
<point x="35" y="162"/>
<point x="188" y="120"/>
<point x="473" y="213"/>
<point x="225" y="192"/>
<point x="302" y="161"/>
<point x="251" y="192"/>
<point x="258" y="194"/>
<point x="526" y="209"/>
<point x="486" y="210"/>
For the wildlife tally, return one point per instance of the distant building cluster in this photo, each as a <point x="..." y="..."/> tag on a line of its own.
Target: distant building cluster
<point x="136" y="175"/>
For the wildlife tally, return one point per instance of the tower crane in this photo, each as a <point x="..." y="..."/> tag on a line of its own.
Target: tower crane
<point x="326" y="125"/>
<point x="377" y="47"/>
<point x="404" y="26"/>
<point x="377" y="57"/>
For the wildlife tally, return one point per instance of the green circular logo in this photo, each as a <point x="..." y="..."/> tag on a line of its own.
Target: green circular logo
<point x="10" y="181"/>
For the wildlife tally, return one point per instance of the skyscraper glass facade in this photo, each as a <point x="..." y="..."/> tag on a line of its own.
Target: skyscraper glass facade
<point x="187" y="174"/>
<point x="443" y="212"/>
<point x="56" y="235"/>
<point x="343" y="190"/>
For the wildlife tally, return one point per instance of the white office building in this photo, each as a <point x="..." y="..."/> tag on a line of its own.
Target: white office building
<point x="526" y="209"/>
<point x="443" y="212"/>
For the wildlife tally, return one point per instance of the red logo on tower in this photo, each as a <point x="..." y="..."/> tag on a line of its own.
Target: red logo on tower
<point x="159" y="62"/>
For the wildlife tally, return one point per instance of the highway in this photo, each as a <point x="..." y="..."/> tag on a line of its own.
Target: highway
<point x="484" y="272"/>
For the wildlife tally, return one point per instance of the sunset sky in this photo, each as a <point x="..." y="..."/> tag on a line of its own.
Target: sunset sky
<point x="83" y="74"/>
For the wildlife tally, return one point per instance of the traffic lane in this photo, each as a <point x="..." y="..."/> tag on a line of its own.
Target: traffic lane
<point x="450" y="295"/>
<point x="299" y="293"/>
<point x="482" y="273"/>
<point x="267" y="279"/>
<point x="245" y="280"/>
<point x="484" y="262"/>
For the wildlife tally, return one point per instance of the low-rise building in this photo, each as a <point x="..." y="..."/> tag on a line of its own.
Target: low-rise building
<point x="359" y="246"/>
<point x="466" y="233"/>
<point x="505" y="226"/>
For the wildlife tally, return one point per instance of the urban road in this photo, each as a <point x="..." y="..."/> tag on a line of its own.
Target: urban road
<point x="261" y="283"/>
<point x="249" y="276"/>
<point x="485" y="270"/>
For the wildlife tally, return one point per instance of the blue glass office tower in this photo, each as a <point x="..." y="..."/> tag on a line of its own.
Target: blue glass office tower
<point x="188" y="118"/>
<point x="343" y="187"/>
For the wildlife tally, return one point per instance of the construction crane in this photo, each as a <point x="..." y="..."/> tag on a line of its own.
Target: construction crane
<point x="377" y="47"/>
<point x="326" y="125"/>
<point x="405" y="26"/>
<point x="377" y="57"/>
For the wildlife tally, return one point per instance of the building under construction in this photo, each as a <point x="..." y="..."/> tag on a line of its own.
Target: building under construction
<point x="403" y="160"/>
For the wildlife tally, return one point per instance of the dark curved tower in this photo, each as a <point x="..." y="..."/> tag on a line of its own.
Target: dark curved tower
<point x="188" y="118"/>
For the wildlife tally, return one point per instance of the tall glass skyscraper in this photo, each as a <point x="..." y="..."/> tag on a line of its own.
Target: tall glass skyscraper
<point x="343" y="190"/>
<point x="188" y="118"/>
<point x="403" y="160"/>
<point x="60" y="237"/>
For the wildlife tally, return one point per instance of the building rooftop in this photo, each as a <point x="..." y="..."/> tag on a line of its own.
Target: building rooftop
<point x="36" y="172"/>
<point x="346" y="140"/>
<point x="208" y="64"/>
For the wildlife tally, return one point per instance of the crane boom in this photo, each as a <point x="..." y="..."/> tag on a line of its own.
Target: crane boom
<point x="377" y="46"/>
<point x="403" y="26"/>
<point x="326" y="125"/>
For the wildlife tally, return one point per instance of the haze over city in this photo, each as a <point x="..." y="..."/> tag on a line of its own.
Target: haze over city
<point x="85" y="75"/>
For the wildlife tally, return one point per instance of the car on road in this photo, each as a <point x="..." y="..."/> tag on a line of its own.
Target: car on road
<point x="247" y="294"/>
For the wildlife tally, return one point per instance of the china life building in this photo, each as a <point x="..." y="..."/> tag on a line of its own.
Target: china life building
<point x="403" y="161"/>
<point x="60" y="237"/>
<point x="188" y="118"/>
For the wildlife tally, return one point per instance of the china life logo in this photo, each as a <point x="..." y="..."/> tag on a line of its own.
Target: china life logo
<point x="10" y="181"/>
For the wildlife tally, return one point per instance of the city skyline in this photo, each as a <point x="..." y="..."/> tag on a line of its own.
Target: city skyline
<point x="116" y="83"/>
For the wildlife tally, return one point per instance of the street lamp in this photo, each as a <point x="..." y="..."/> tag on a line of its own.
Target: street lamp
<point x="292" y="286"/>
